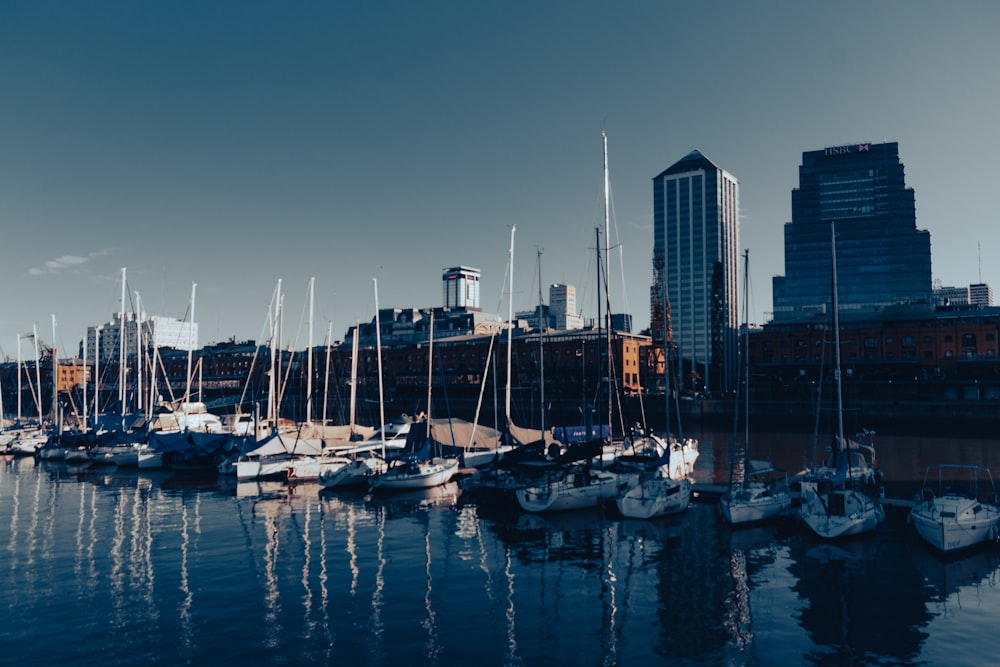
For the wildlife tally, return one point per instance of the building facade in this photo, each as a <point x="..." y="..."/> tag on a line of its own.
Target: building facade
<point x="693" y="299"/>
<point x="981" y="294"/>
<point x="460" y="287"/>
<point x="120" y="336"/>
<point x="883" y="259"/>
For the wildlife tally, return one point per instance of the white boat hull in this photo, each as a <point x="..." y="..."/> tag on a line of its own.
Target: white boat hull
<point x="427" y="474"/>
<point x="310" y="469"/>
<point x="262" y="469"/>
<point x="653" y="497"/>
<point x="354" y="474"/>
<point x="148" y="458"/>
<point x="754" y="502"/>
<point x="572" y="492"/>
<point x="839" y="513"/>
<point x="478" y="459"/>
<point x="953" y="523"/>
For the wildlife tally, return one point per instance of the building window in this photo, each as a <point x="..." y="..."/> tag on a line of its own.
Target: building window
<point x="908" y="341"/>
<point x="871" y="342"/>
<point x="968" y="340"/>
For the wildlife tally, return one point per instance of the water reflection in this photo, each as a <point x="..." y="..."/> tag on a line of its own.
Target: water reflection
<point x="947" y="578"/>
<point x="156" y="567"/>
<point x="866" y="600"/>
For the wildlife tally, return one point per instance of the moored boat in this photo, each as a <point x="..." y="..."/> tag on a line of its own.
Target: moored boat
<point x="957" y="507"/>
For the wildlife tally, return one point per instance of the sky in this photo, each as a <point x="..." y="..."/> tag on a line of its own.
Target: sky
<point x="221" y="147"/>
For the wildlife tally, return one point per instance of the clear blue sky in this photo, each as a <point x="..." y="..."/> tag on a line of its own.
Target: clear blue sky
<point x="232" y="144"/>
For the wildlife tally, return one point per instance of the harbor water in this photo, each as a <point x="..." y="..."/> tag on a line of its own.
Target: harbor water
<point x="118" y="567"/>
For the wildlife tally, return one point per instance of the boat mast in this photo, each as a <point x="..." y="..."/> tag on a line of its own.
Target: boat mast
<point x="272" y="381"/>
<point x="378" y="347"/>
<point x="187" y="390"/>
<point x="37" y="395"/>
<point x="97" y="375"/>
<point x="309" y="360"/>
<point x="736" y="475"/>
<point x="19" y="380"/>
<point x="326" y="377"/>
<point x="510" y="324"/>
<point x="607" y="272"/>
<point x="600" y="323"/>
<point x="430" y="378"/>
<point x="354" y="372"/>
<point x="746" y="361"/>
<point x="122" y="370"/>
<point x="83" y="426"/>
<point x="542" y="325"/>
<point x="140" y="365"/>
<point x="55" y="378"/>
<point x="836" y="344"/>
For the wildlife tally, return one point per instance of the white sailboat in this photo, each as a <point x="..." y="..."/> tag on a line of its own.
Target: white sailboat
<point x="957" y="507"/>
<point x="577" y="487"/>
<point x="654" y="495"/>
<point x="657" y="487"/>
<point x="416" y="470"/>
<point x="843" y="497"/>
<point x="757" y="490"/>
<point x="366" y="459"/>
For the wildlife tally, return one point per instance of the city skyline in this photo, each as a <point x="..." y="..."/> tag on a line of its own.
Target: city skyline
<point x="238" y="144"/>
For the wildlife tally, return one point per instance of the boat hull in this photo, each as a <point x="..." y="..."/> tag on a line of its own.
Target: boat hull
<point x="427" y="474"/>
<point x="261" y="469"/>
<point x="654" y="497"/>
<point x="354" y="474"/>
<point x="753" y="503"/>
<point x="839" y="513"/>
<point x="953" y="523"/>
<point x="572" y="492"/>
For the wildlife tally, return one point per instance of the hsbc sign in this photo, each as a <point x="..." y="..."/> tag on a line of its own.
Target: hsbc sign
<point x="852" y="148"/>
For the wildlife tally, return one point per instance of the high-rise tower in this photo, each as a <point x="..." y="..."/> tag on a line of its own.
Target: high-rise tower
<point x="693" y="300"/>
<point x="882" y="258"/>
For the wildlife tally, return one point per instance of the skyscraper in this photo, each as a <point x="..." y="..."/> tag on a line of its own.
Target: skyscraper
<point x="883" y="259"/>
<point x="693" y="301"/>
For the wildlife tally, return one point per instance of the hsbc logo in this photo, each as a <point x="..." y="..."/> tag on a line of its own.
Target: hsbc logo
<point x="851" y="148"/>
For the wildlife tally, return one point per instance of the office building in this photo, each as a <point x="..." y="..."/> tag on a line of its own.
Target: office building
<point x="950" y="296"/>
<point x="106" y="343"/>
<point x="981" y="294"/>
<point x="693" y="299"/>
<point x="882" y="258"/>
<point x="460" y="287"/>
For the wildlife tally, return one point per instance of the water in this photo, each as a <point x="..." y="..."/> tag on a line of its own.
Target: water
<point x="124" y="568"/>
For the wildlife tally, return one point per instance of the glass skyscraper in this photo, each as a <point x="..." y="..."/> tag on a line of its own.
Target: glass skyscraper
<point x="693" y="300"/>
<point x="882" y="258"/>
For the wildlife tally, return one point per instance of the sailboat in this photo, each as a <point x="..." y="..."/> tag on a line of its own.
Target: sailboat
<point x="757" y="490"/>
<point x="579" y="486"/>
<point x="843" y="497"/>
<point x="662" y="486"/>
<point x="418" y="469"/>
